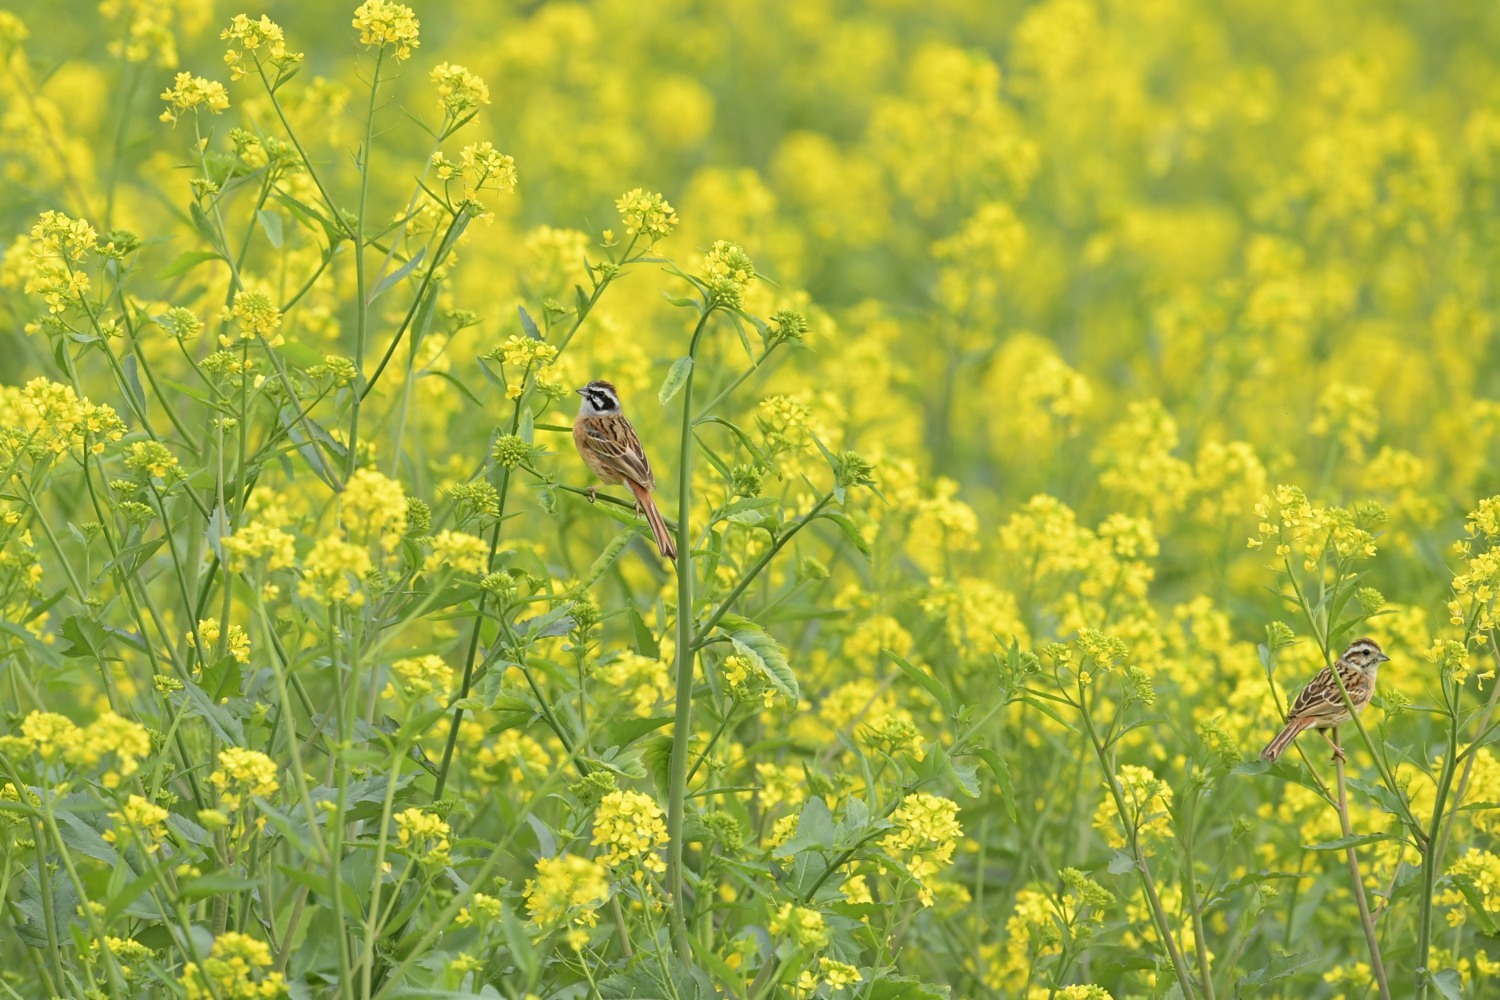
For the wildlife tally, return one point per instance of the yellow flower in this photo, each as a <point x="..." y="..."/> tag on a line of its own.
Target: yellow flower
<point x="457" y="551"/>
<point x="237" y="641"/>
<point x="263" y="39"/>
<point x="806" y="928"/>
<point x="333" y="570"/>
<point x="236" y="969"/>
<point x="383" y="23"/>
<point x="646" y="213"/>
<point x="728" y="271"/>
<point x="244" y="772"/>
<point x="258" y="540"/>
<point x="139" y="819"/>
<point x="640" y="681"/>
<point x="256" y="314"/>
<point x="459" y="91"/>
<point x="374" y="508"/>
<point x="145" y="31"/>
<point x="926" y="831"/>
<point x="417" y="676"/>
<point x="567" y="890"/>
<point x="189" y="93"/>
<point x="629" y="825"/>
<point x="424" y="835"/>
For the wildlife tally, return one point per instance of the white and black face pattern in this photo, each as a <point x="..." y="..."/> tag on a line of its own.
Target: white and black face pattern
<point x="599" y="398"/>
<point x="1365" y="655"/>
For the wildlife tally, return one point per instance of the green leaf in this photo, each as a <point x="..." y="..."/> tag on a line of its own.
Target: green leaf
<point x="1449" y="983"/>
<point x="645" y="641"/>
<point x="850" y="529"/>
<point x="608" y="558"/>
<point x="627" y="731"/>
<point x="925" y="681"/>
<point x="1001" y="771"/>
<point x="1475" y="898"/>
<point x="887" y="987"/>
<point x="87" y="637"/>
<point x="676" y="379"/>
<point x="186" y="261"/>
<point x="1281" y="966"/>
<point x="215" y="884"/>
<point x="1121" y="863"/>
<point x="84" y="839"/>
<point x="764" y="653"/>
<point x="270" y="224"/>
<point x="528" y="324"/>
<point x="511" y="712"/>
<point x="399" y="275"/>
<point x="1343" y="843"/>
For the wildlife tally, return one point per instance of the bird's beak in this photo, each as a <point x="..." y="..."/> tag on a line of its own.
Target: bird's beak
<point x="579" y="391"/>
<point x="1383" y="658"/>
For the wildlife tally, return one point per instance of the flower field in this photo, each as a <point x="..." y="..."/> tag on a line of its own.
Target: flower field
<point x="1036" y="396"/>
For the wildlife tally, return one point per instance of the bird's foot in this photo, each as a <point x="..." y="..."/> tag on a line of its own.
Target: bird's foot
<point x="591" y="491"/>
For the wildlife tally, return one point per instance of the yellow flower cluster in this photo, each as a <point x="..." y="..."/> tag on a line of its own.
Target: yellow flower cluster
<point x="382" y="23"/>
<point x="46" y="418"/>
<point x="423" y="835"/>
<point x="640" y="681"/>
<point x="646" y="214"/>
<point x="190" y="93"/>
<point x="374" y="508"/>
<point x="417" y="676"/>
<point x="244" y="773"/>
<point x="568" y="890"/>
<point x="459" y="91"/>
<point x="630" y="827"/>
<point x="237" y="968"/>
<point x="236" y="641"/>
<point x="925" y="833"/>
<point x="457" y="551"/>
<point x="804" y="927"/>
<point x="263" y="39"/>
<point x="110" y="737"/>
<point x="139" y="820"/>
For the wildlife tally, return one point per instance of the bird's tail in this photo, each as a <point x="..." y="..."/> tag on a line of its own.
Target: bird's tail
<point x="1283" y="739"/>
<point x="659" y="529"/>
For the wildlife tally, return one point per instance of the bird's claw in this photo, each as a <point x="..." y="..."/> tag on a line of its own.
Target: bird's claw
<point x="591" y="491"/>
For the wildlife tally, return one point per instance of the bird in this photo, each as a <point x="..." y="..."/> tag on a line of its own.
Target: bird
<point x="612" y="449"/>
<point x="1321" y="706"/>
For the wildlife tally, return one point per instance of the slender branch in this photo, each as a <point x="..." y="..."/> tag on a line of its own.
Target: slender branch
<point x="682" y="727"/>
<point x="1376" y="963"/>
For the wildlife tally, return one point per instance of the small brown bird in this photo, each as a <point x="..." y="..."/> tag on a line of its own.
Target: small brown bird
<point x="1321" y="706"/>
<point x="610" y="446"/>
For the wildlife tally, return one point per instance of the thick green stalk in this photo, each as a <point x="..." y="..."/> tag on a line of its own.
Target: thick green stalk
<point x="682" y="725"/>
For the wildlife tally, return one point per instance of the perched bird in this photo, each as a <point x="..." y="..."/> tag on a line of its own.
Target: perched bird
<point x="610" y="446"/>
<point x="1321" y="706"/>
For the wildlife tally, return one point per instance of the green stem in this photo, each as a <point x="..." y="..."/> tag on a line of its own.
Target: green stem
<point x="682" y="726"/>
<point x="362" y="300"/>
<point x="1376" y="963"/>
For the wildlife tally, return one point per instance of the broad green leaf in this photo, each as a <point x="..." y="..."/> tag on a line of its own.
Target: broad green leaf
<point x="763" y="652"/>
<point x="88" y="638"/>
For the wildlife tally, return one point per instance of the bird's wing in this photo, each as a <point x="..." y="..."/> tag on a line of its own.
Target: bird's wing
<point x="1322" y="697"/>
<point x="615" y="443"/>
